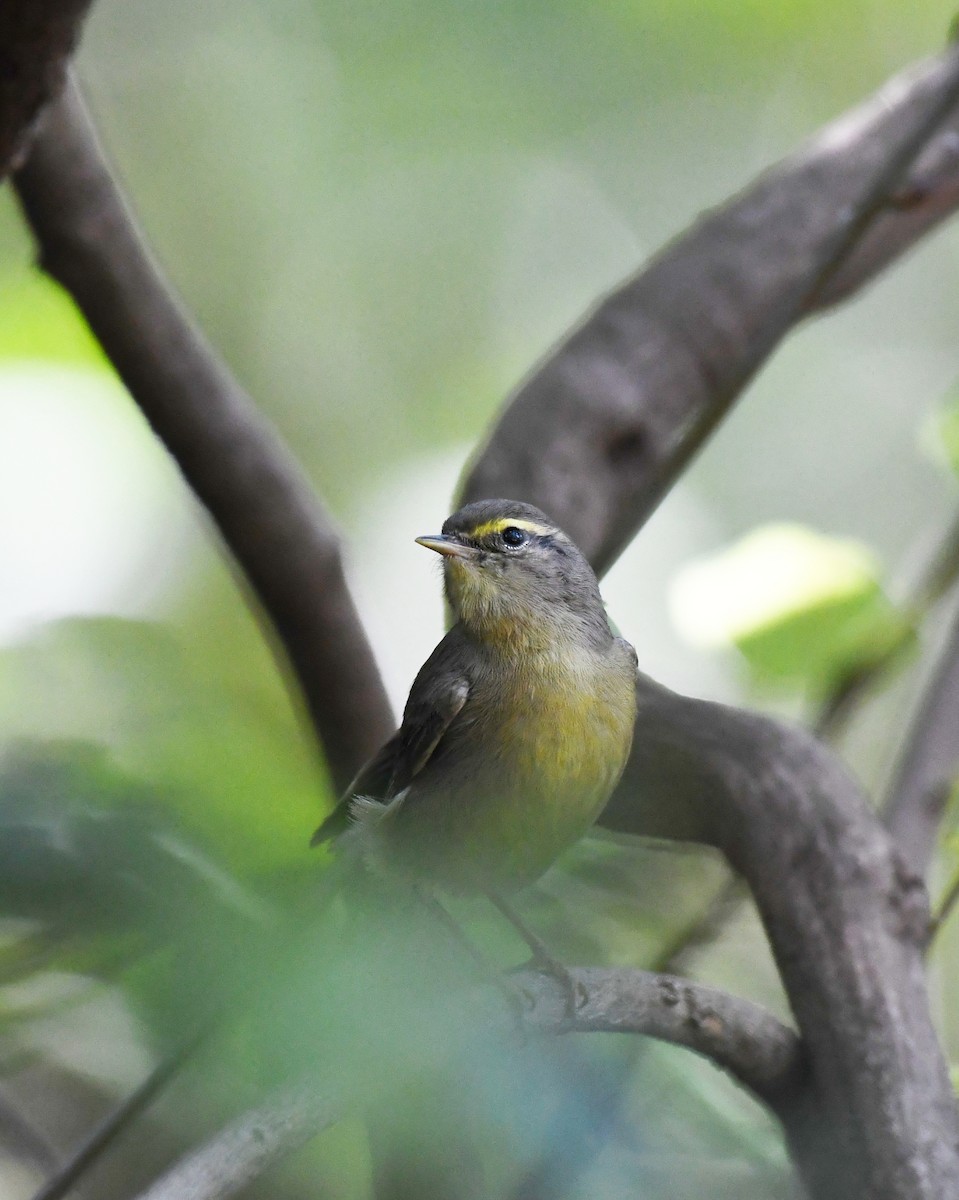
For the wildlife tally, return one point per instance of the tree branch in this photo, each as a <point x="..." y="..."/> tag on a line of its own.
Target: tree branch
<point x="241" y="1152"/>
<point x="37" y="38"/>
<point x="740" y="1037"/>
<point x="929" y="764"/>
<point x="596" y="436"/>
<point x="602" y="429"/>
<point x="847" y="926"/>
<point x="63" y="1177"/>
<point x="283" y="541"/>
<point x="23" y="1141"/>
<point x="737" y="1035"/>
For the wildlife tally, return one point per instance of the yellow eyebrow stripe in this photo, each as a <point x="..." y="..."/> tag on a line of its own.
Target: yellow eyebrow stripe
<point x="502" y="523"/>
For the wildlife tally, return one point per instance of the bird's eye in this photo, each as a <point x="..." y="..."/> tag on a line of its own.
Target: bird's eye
<point x="513" y="537"/>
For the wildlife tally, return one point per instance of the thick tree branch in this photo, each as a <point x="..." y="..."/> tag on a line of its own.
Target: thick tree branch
<point x="602" y="429"/>
<point x="281" y="538"/>
<point x="37" y="38"/>
<point x="929" y="765"/>
<point x="846" y="922"/>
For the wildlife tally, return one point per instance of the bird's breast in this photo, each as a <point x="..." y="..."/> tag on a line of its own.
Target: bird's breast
<point x="550" y="740"/>
<point x="562" y="728"/>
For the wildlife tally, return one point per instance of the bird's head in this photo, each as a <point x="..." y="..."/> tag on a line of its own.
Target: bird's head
<point x="511" y="574"/>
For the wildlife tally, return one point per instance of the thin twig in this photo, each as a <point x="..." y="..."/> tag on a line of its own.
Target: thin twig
<point x="117" y="1122"/>
<point x="704" y="929"/>
<point x="929" y="762"/>
<point x="247" y="1147"/>
<point x="934" y="583"/>
<point x="23" y="1141"/>
<point x="283" y="541"/>
<point x="942" y="913"/>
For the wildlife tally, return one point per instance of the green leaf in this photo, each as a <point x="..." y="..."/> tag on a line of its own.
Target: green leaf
<point x="38" y="320"/>
<point x="802" y="608"/>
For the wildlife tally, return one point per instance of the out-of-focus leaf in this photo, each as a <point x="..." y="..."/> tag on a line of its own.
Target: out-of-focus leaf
<point x="85" y="849"/>
<point x="947" y="428"/>
<point x="38" y="320"/>
<point x="99" y="879"/>
<point x="802" y="608"/>
<point x="239" y="774"/>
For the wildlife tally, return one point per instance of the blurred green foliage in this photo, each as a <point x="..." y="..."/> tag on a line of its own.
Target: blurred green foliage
<point x="39" y="321"/>
<point x="382" y="216"/>
<point x="948" y="431"/>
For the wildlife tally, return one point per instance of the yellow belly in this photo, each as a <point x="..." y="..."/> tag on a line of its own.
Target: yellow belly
<point x="544" y="761"/>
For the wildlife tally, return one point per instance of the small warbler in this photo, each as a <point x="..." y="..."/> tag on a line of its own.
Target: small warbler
<point x="518" y="725"/>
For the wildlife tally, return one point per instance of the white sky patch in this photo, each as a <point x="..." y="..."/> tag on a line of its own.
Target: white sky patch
<point x="772" y="572"/>
<point x="93" y="516"/>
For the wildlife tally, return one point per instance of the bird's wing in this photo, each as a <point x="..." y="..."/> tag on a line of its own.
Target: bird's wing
<point x="438" y="694"/>
<point x="372" y="781"/>
<point x="430" y="711"/>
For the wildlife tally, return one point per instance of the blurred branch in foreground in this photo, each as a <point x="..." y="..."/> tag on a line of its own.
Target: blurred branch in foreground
<point x="247" y="1147"/>
<point x="60" y="1182"/>
<point x="282" y="539"/>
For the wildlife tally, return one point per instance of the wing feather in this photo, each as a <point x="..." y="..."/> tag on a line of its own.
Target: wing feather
<point x="436" y="698"/>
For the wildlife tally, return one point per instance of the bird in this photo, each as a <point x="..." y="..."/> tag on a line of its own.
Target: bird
<point x="517" y="727"/>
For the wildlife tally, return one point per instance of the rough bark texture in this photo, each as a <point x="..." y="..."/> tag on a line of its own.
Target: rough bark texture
<point x="278" y="532"/>
<point x="37" y="38"/>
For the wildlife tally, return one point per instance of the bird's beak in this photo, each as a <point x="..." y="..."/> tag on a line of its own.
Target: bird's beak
<point x="449" y="547"/>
